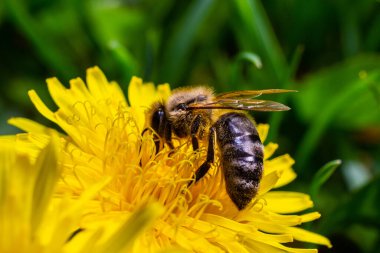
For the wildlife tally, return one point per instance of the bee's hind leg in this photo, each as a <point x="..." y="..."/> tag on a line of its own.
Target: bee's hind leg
<point x="203" y="169"/>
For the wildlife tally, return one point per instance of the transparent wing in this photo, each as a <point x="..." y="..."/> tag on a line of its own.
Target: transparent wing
<point x="243" y="100"/>
<point x="250" y="93"/>
<point x="251" y="105"/>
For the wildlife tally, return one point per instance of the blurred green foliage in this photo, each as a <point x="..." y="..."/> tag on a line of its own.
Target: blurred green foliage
<point x="328" y="50"/>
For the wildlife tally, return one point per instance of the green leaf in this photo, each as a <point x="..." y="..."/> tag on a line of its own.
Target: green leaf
<point x="276" y="119"/>
<point x="361" y="207"/>
<point x="1" y="11"/>
<point x="240" y="58"/>
<point x="46" y="47"/>
<point x="180" y="42"/>
<point x="332" y="106"/>
<point x="125" y="25"/>
<point x="124" y="58"/>
<point x="250" y="57"/>
<point x="323" y="87"/>
<point x="322" y="175"/>
<point x="255" y="34"/>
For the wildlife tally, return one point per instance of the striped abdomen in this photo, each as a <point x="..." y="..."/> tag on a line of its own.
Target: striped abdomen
<point x="241" y="156"/>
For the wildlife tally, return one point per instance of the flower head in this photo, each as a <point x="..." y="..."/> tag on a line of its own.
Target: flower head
<point x="102" y="148"/>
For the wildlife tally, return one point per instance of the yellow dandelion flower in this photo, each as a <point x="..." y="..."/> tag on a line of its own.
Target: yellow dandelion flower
<point x="32" y="220"/>
<point x="103" y="143"/>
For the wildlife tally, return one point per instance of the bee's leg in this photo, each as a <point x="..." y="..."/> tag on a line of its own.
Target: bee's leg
<point x="203" y="169"/>
<point x="194" y="130"/>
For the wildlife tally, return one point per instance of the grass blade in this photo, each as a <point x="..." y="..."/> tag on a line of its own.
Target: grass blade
<point x="44" y="46"/>
<point x="241" y="57"/>
<point x="326" y="115"/>
<point x="178" y="46"/>
<point x="276" y="118"/>
<point x="322" y="175"/>
<point x="259" y="37"/>
<point x="125" y="59"/>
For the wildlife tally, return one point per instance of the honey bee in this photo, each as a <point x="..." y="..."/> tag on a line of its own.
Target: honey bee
<point x="198" y="114"/>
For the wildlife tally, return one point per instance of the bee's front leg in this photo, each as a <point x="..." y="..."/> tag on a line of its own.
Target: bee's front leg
<point x="194" y="130"/>
<point x="203" y="169"/>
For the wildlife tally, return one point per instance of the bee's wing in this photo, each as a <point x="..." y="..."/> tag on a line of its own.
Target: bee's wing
<point x="242" y="104"/>
<point x="250" y="93"/>
<point x="244" y="100"/>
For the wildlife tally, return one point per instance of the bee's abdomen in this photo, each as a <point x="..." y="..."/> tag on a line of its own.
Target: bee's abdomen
<point x="241" y="156"/>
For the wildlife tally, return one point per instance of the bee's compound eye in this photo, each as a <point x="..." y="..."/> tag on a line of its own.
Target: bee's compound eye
<point x="182" y="106"/>
<point x="158" y="120"/>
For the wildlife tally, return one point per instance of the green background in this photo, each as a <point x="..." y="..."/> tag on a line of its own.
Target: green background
<point x="327" y="50"/>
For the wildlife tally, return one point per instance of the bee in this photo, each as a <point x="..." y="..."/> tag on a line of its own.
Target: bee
<point x="198" y="114"/>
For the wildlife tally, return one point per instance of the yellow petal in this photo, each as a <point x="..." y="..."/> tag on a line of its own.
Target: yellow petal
<point x="97" y="83"/>
<point x="268" y="182"/>
<point x="276" y="248"/>
<point x="60" y="94"/>
<point x="40" y="106"/>
<point x="310" y="216"/>
<point x="287" y="202"/>
<point x="307" y="236"/>
<point x="139" y="94"/>
<point x="269" y="150"/>
<point x="48" y="173"/>
<point x="105" y="95"/>
<point x="187" y="239"/>
<point x="125" y="236"/>
<point x="79" y="89"/>
<point x="28" y="125"/>
<point x="283" y="165"/>
<point x="116" y="93"/>
<point x="287" y="176"/>
<point x="227" y="223"/>
<point x="263" y="130"/>
<point x="163" y="91"/>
